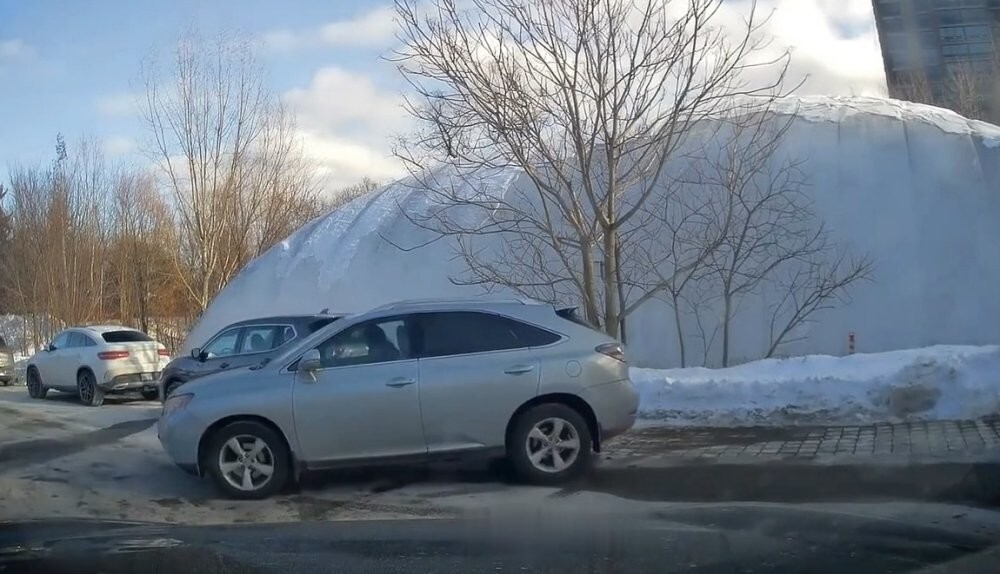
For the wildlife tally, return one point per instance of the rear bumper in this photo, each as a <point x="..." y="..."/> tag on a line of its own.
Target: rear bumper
<point x="131" y="382"/>
<point x="615" y="405"/>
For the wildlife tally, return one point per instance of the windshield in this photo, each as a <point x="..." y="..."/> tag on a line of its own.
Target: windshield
<point x="501" y="285"/>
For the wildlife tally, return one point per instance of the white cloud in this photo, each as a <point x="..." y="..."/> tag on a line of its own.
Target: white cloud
<point x="14" y="51"/>
<point x="116" y="146"/>
<point x="833" y="43"/>
<point x="372" y="29"/>
<point x="345" y="122"/>
<point x="346" y="119"/>
<point x="118" y="105"/>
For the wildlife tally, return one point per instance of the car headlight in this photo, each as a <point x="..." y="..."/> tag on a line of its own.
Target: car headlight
<point x="176" y="403"/>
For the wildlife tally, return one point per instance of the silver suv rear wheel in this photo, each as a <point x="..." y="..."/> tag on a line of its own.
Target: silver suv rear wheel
<point x="550" y="444"/>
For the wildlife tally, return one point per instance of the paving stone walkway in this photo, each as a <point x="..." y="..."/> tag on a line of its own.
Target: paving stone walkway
<point x="933" y="439"/>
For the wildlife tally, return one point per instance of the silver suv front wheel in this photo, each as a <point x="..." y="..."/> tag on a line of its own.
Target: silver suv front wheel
<point x="248" y="460"/>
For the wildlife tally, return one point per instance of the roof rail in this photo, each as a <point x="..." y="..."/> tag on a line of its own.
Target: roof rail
<point x="455" y="300"/>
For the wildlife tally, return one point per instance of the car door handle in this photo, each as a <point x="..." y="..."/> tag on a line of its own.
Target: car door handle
<point x="399" y="382"/>
<point x="519" y="369"/>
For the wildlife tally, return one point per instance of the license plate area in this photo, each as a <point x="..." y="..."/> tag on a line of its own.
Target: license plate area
<point x="146" y="377"/>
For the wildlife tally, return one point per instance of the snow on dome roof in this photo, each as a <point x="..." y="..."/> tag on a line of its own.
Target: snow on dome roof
<point x="838" y="108"/>
<point x="914" y="186"/>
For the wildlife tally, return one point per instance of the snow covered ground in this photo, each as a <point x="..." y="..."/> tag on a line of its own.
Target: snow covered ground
<point x="933" y="383"/>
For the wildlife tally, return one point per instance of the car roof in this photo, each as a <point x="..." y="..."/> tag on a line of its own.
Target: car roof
<point x="471" y="303"/>
<point x="279" y="319"/>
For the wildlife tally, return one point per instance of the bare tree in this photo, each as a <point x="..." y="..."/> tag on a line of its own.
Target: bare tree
<point x="769" y="228"/>
<point x="230" y="161"/>
<point x="587" y="100"/>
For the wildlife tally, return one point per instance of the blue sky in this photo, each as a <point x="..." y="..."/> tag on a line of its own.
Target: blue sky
<point x="74" y="67"/>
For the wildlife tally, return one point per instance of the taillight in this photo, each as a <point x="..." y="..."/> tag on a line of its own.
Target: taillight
<point x="111" y="355"/>
<point x="613" y="350"/>
<point x="163" y="352"/>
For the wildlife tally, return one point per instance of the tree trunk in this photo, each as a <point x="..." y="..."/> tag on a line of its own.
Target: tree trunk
<point x="610" y="278"/>
<point x="680" y="330"/>
<point x="725" y="329"/>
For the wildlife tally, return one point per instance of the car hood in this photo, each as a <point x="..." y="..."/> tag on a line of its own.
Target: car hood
<point x="689" y="538"/>
<point x="217" y="380"/>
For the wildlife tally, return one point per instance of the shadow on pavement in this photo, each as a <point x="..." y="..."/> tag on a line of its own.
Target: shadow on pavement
<point x="956" y="483"/>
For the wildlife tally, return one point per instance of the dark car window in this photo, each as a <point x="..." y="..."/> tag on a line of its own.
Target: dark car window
<point x="320" y="323"/>
<point x="375" y="341"/>
<point x="60" y="341"/>
<point x="125" y="336"/>
<point x="223" y="345"/>
<point x="464" y="332"/>
<point x="264" y="338"/>
<point x="77" y="340"/>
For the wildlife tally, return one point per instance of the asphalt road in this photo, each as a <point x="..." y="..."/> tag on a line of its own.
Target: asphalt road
<point x="716" y="538"/>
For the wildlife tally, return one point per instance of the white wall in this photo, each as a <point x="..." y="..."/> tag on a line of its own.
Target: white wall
<point x="923" y="202"/>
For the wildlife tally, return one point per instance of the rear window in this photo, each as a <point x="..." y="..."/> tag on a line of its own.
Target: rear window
<point x="125" y="336"/>
<point x="573" y="315"/>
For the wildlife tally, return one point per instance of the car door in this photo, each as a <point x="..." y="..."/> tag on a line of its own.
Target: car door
<point x="219" y="353"/>
<point x="71" y="357"/>
<point x="48" y="362"/>
<point x="364" y="402"/>
<point x="474" y="373"/>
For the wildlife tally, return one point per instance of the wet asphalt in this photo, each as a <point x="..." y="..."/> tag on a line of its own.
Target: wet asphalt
<point x="717" y="538"/>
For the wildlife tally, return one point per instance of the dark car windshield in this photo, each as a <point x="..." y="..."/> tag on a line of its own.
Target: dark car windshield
<point x="320" y="323"/>
<point x="125" y="336"/>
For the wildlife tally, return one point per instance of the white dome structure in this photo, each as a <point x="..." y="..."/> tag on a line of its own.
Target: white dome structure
<point x="915" y="187"/>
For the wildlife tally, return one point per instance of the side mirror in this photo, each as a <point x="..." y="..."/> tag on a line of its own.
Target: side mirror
<point x="196" y="354"/>
<point x="310" y="361"/>
<point x="49" y="347"/>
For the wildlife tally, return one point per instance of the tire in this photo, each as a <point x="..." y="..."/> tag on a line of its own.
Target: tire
<point x="36" y="389"/>
<point x="274" y="454"/>
<point x="150" y="395"/>
<point x="86" y="385"/>
<point x="169" y="388"/>
<point x="545" y="470"/>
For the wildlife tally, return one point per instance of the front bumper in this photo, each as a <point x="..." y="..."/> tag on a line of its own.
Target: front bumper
<point x="179" y="434"/>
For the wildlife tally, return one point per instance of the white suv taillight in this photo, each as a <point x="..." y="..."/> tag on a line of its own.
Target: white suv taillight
<point x="111" y="355"/>
<point x="613" y="350"/>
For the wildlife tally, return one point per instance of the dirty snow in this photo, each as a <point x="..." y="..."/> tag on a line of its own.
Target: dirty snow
<point x="933" y="383"/>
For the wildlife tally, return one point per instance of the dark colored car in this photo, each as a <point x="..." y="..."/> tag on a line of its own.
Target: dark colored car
<point x="6" y="363"/>
<point x="241" y="344"/>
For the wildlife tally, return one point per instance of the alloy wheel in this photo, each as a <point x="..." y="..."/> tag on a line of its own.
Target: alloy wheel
<point x="246" y="462"/>
<point x="553" y="445"/>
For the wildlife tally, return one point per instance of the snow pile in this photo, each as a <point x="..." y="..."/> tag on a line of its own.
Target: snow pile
<point x="934" y="383"/>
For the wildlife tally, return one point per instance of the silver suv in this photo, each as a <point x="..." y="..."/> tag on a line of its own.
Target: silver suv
<point x="406" y="382"/>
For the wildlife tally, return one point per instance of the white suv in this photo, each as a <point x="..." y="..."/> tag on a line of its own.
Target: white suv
<point x="95" y="361"/>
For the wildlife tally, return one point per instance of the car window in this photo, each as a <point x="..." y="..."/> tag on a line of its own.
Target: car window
<point x="60" y="341"/>
<point x="76" y="340"/>
<point x="285" y="335"/>
<point x="224" y="345"/>
<point x="263" y="338"/>
<point x="375" y="341"/>
<point x="464" y="332"/>
<point x="125" y="336"/>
